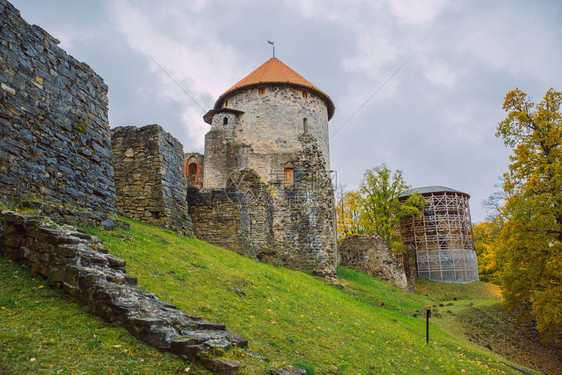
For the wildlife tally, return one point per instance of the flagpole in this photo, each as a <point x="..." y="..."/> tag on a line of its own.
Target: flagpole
<point x="273" y="45"/>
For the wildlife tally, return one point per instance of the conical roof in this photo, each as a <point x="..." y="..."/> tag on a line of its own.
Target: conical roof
<point x="275" y="71"/>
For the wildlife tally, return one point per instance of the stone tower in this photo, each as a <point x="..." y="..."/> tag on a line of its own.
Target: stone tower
<point x="269" y="141"/>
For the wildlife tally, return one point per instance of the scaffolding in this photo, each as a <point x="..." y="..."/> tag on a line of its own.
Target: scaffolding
<point x="448" y="266"/>
<point x="442" y="236"/>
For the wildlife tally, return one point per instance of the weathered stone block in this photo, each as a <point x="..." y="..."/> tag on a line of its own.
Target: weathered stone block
<point x="369" y="253"/>
<point x="150" y="186"/>
<point x="223" y="366"/>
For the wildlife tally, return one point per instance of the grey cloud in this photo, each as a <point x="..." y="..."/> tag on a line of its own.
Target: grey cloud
<point x="435" y="120"/>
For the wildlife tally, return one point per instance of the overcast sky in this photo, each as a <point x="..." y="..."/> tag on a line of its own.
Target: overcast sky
<point x="435" y="119"/>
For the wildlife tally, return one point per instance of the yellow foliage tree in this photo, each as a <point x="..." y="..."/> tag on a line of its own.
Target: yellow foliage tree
<point x="485" y="242"/>
<point x="348" y="211"/>
<point x="530" y="243"/>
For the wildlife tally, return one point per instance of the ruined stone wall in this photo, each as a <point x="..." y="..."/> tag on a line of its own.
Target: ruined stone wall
<point x="149" y="177"/>
<point x="54" y="134"/>
<point x="291" y="225"/>
<point x="304" y="221"/>
<point x="237" y="220"/>
<point x="217" y="217"/>
<point x="80" y="265"/>
<point x="368" y="253"/>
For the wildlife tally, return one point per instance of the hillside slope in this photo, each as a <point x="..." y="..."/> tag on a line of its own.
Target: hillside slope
<point x="361" y="326"/>
<point x="43" y="332"/>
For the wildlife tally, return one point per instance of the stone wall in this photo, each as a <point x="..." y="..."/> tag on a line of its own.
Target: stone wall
<point x="368" y="253"/>
<point x="149" y="177"/>
<point x="304" y="224"/>
<point x="80" y="265"/>
<point x="217" y="217"/>
<point x="236" y="220"/>
<point x="54" y="134"/>
<point x="290" y="225"/>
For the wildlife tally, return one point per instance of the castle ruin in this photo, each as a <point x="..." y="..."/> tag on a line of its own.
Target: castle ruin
<point x="267" y="158"/>
<point x="263" y="186"/>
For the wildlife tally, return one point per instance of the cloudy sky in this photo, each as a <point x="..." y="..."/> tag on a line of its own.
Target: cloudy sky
<point x="435" y="119"/>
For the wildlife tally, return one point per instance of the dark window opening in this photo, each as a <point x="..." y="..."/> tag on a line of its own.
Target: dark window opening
<point x="304" y="94"/>
<point x="261" y="90"/>
<point x="225" y="121"/>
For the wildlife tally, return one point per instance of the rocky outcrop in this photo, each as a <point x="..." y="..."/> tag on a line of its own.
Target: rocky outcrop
<point x="79" y="264"/>
<point x="368" y="253"/>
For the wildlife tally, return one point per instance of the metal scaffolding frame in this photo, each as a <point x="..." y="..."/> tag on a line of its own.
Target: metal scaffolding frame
<point x="448" y="266"/>
<point x="442" y="236"/>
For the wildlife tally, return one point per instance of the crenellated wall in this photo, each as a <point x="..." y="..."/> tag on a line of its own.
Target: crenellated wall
<point x="55" y="143"/>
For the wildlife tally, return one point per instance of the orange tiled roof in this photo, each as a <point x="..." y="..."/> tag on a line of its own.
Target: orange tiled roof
<point x="275" y="71"/>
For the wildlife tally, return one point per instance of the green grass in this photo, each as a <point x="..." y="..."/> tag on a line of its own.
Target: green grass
<point x="359" y="326"/>
<point x="478" y="290"/>
<point x="43" y="332"/>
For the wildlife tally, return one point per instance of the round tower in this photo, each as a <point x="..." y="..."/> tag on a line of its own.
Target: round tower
<point x="441" y="236"/>
<point x="269" y="141"/>
<point x="267" y="111"/>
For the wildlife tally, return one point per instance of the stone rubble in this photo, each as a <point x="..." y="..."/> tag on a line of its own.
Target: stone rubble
<point x="79" y="264"/>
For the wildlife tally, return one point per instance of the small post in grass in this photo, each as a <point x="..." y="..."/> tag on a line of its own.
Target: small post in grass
<point x="427" y="316"/>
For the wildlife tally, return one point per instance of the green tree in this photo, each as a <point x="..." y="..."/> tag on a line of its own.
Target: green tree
<point x="381" y="211"/>
<point x="530" y="246"/>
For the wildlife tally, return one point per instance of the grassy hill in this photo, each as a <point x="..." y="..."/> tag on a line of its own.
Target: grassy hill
<point x="359" y="325"/>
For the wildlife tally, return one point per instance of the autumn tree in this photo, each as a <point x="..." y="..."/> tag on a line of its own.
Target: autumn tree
<point x="381" y="211"/>
<point x="348" y="211"/>
<point x="530" y="246"/>
<point x="486" y="245"/>
<point x="486" y="236"/>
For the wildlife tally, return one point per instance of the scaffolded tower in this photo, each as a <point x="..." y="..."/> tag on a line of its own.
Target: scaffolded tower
<point x="442" y="236"/>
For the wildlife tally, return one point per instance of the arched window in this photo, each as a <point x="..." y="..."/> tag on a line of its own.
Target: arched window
<point x="305" y="125"/>
<point x="289" y="175"/>
<point x="225" y="121"/>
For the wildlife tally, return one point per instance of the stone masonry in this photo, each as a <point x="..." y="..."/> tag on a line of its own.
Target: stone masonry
<point x="217" y="217"/>
<point x="368" y="253"/>
<point x="269" y="140"/>
<point x="79" y="264"/>
<point x="55" y="141"/>
<point x="149" y="177"/>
